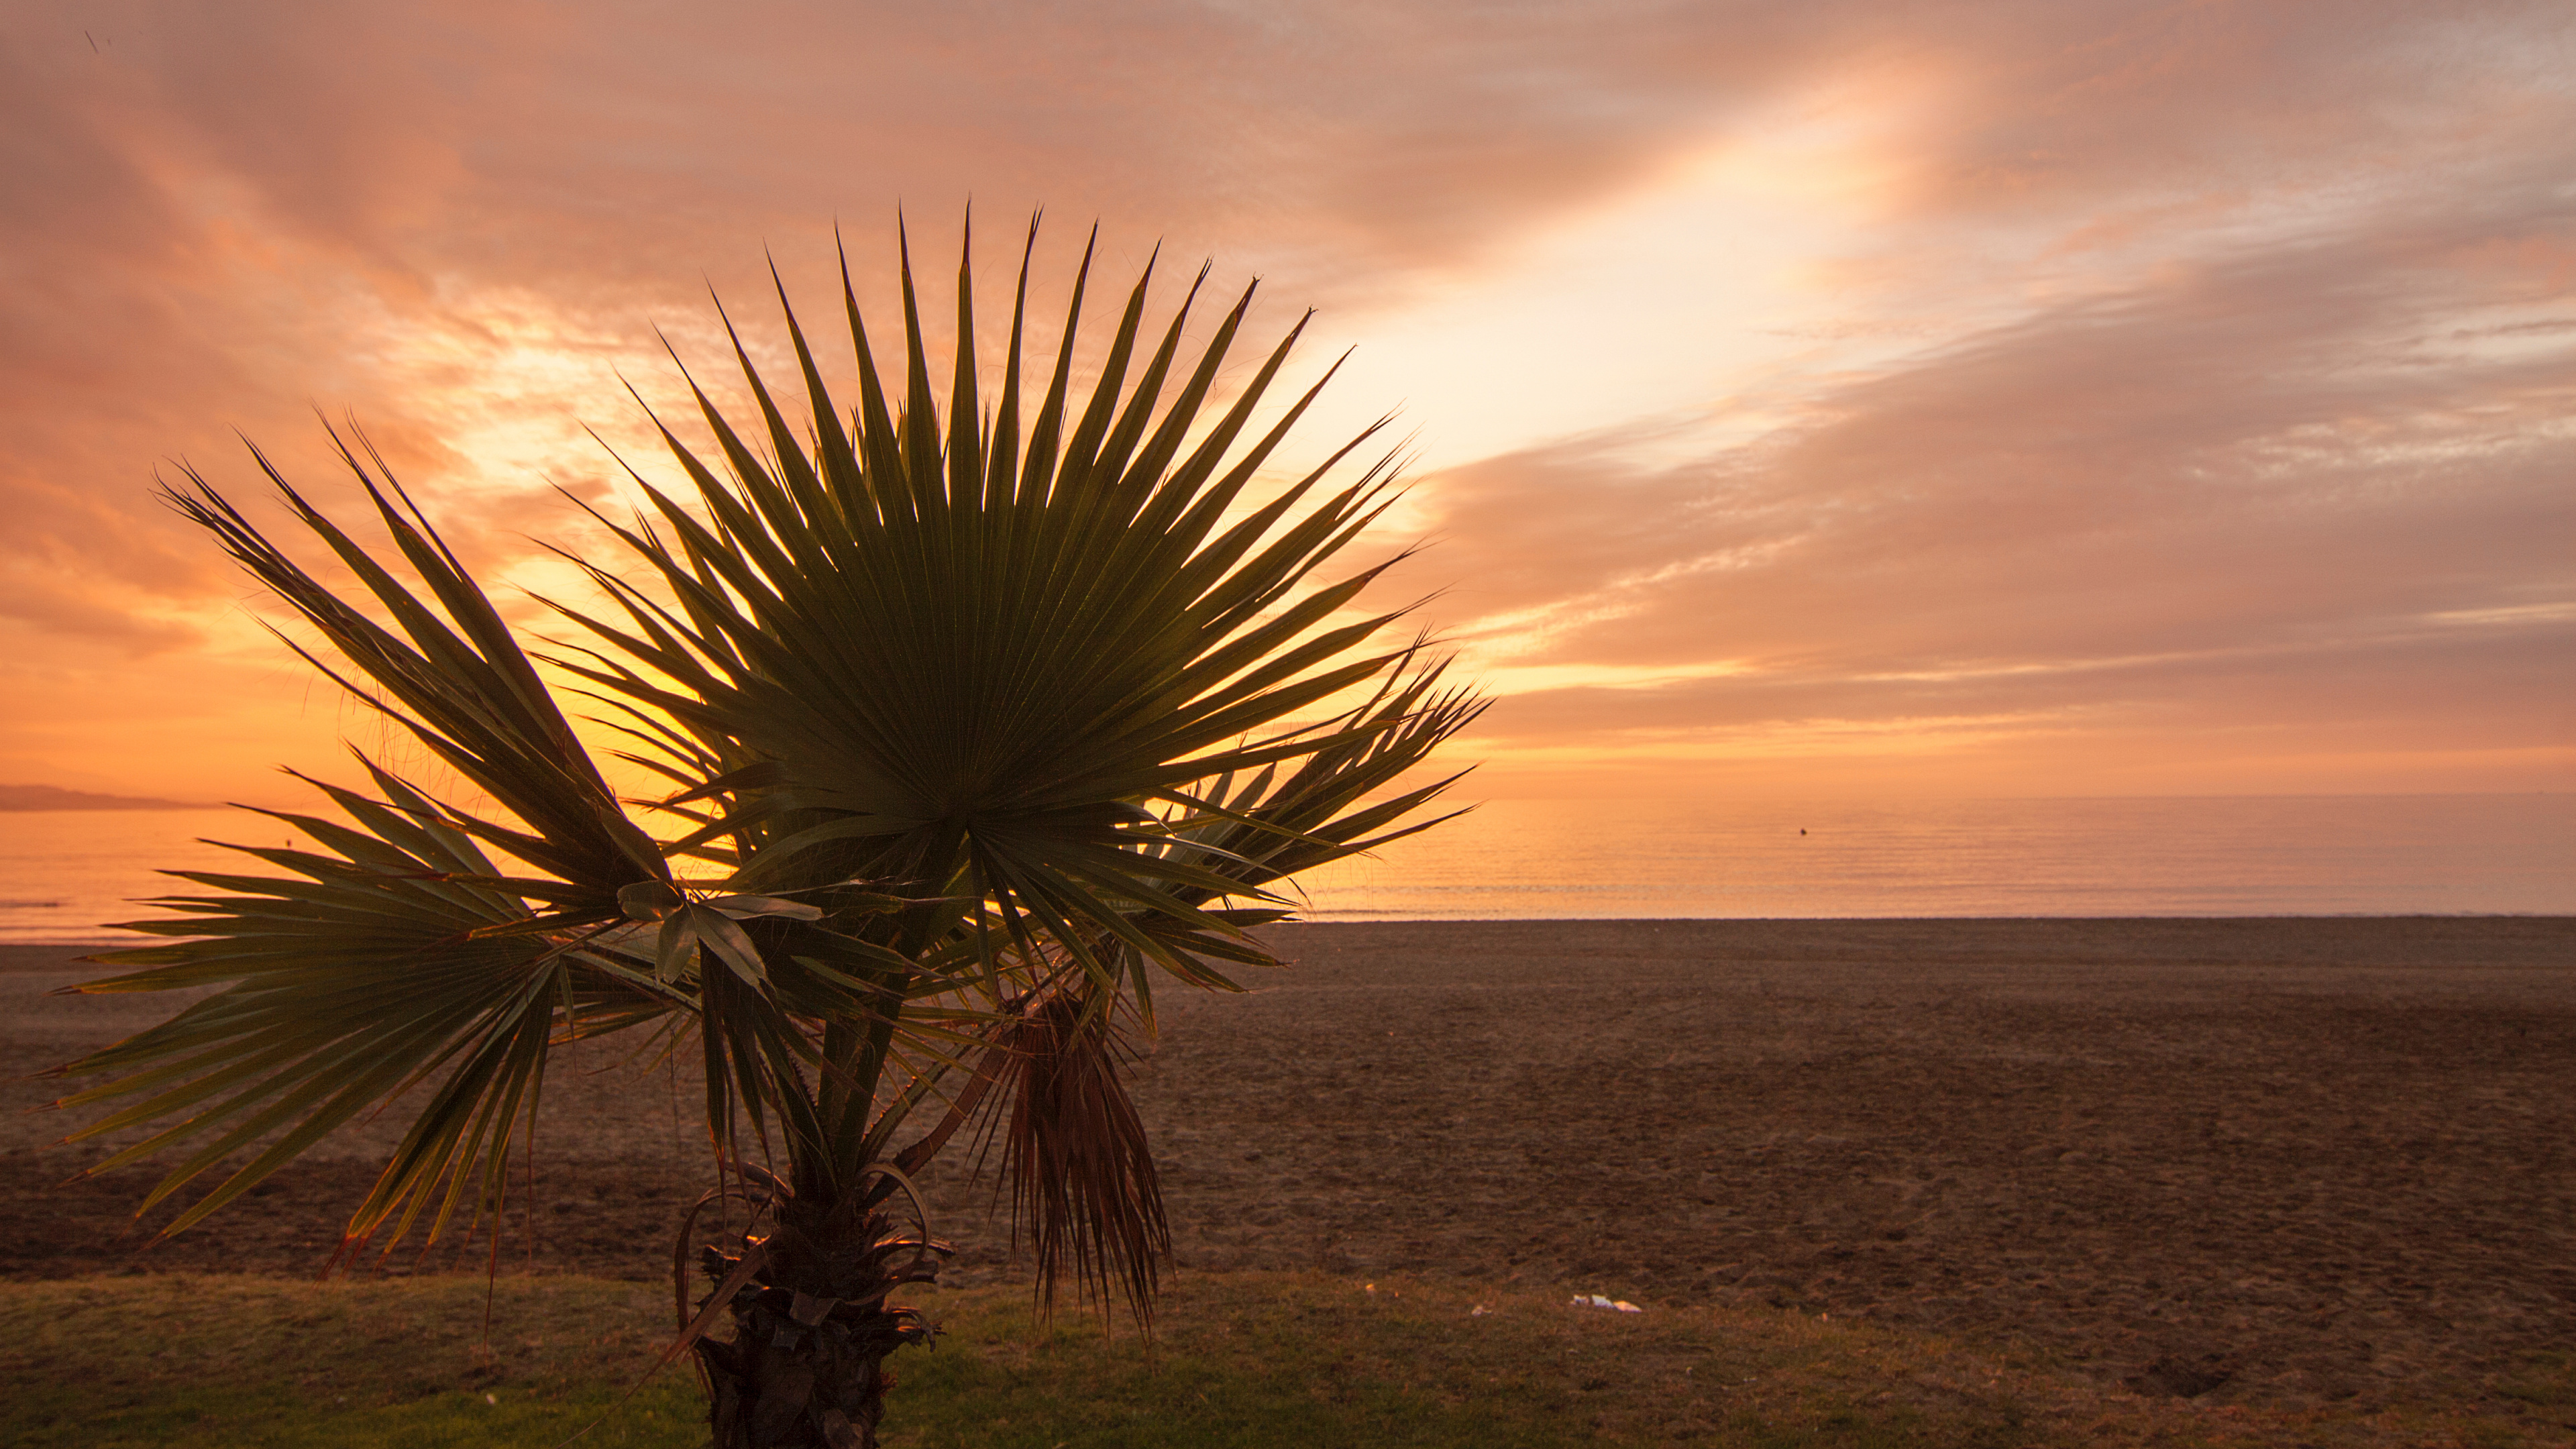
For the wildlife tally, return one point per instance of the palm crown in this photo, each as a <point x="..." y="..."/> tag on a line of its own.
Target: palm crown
<point x="971" y="726"/>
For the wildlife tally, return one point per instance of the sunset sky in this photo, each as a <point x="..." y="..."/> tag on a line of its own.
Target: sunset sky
<point x="1832" y="398"/>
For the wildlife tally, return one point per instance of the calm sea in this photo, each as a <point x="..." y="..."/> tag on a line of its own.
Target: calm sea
<point x="63" y="874"/>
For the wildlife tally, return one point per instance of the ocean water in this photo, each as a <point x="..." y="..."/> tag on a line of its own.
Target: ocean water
<point x="2128" y="856"/>
<point x="65" y="874"/>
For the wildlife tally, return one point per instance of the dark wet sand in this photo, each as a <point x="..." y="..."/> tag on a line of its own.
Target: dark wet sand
<point x="2327" y="1157"/>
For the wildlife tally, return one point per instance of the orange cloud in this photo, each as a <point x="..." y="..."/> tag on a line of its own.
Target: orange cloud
<point x="2179" y="373"/>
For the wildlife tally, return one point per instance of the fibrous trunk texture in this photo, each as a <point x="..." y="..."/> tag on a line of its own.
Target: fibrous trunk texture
<point x="812" y="1328"/>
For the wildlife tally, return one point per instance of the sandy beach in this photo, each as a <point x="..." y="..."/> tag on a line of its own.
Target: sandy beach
<point x="2265" y="1160"/>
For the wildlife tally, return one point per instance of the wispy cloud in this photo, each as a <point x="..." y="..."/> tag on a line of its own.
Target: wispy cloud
<point x="2301" y="483"/>
<point x="2037" y="376"/>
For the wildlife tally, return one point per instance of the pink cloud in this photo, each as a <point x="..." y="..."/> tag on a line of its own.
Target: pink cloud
<point x="2274" y="487"/>
<point x="2255" y="461"/>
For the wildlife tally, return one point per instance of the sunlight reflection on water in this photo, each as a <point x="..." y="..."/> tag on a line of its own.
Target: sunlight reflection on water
<point x="2209" y="856"/>
<point x="64" y="874"/>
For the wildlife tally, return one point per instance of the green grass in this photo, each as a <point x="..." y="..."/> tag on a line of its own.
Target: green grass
<point x="1248" y="1360"/>
<point x="264" y="1361"/>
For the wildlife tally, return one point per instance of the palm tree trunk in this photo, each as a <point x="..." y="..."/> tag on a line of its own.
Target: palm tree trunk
<point x="812" y="1329"/>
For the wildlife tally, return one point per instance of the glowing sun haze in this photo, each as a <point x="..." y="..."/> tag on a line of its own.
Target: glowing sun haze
<point x="1851" y="396"/>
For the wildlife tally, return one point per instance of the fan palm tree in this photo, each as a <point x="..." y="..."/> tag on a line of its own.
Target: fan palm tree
<point x="972" y="726"/>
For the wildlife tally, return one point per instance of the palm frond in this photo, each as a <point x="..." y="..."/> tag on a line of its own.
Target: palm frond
<point x="375" y="967"/>
<point x="1083" y="1184"/>
<point x="946" y="666"/>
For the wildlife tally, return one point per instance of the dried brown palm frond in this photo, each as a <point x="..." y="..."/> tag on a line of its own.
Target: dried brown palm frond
<point x="1084" y="1193"/>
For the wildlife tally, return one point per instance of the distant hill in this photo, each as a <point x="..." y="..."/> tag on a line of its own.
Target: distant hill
<point x="54" y="797"/>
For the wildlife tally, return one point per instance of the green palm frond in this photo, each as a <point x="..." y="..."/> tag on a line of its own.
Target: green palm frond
<point x="406" y="960"/>
<point x="977" y="667"/>
<point x="460" y="684"/>
<point x="366" y="972"/>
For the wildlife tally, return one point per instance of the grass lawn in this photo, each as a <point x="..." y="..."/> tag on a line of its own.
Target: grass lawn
<point x="1246" y="1360"/>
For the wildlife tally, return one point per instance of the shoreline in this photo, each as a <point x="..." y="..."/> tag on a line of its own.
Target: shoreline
<point x="2381" y="939"/>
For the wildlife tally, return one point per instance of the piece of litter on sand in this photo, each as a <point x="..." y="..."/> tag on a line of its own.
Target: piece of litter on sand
<point x="1479" y="1311"/>
<point x="1595" y="1300"/>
